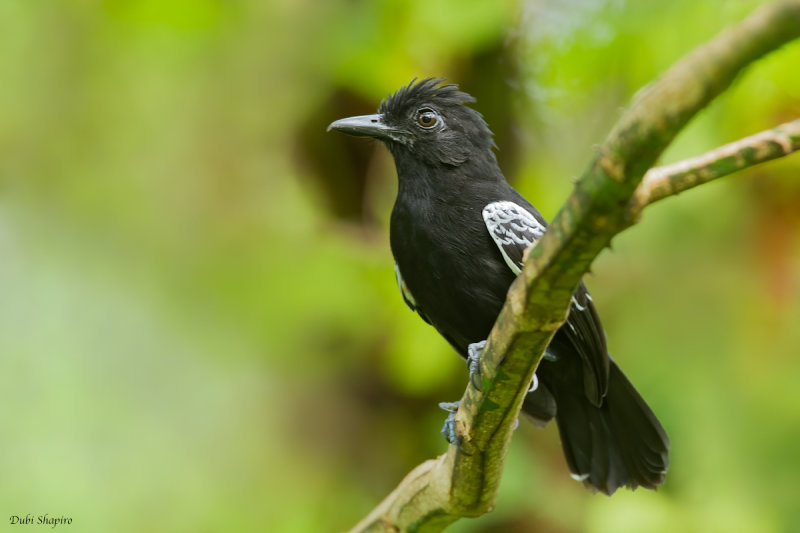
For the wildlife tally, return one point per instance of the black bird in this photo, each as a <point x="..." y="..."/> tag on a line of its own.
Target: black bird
<point x="458" y="233"/>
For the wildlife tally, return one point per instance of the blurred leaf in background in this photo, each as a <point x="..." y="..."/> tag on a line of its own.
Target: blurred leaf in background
<point x="199" y="328"/>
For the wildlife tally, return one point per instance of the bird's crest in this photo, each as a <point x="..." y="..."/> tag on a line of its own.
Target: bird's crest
<point x="427" y="90"/>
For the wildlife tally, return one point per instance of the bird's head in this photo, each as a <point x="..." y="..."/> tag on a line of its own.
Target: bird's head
<point x="428" y="121"/>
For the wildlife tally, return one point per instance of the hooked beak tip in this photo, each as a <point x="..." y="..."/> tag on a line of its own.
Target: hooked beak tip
<point x="367" y="126"/>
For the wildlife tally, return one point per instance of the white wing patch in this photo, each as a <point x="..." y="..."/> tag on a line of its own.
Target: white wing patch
<point x="404" y="292"/>
<point x="513" y="229"/>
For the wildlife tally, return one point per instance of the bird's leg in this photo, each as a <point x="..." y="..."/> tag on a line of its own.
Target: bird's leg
<point x="474" y="351"/>
<point x="449" y="427"/>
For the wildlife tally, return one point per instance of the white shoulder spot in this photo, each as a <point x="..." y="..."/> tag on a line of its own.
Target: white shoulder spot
<point x="513" y="229"/>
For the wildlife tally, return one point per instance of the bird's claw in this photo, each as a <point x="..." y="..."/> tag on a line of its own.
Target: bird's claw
<point x="474" y="351"/>
<point x="449" y="427"/>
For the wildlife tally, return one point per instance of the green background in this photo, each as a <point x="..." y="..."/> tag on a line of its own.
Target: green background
<point x="199" y="324"/>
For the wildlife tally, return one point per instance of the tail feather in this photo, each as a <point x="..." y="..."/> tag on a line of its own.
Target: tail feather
<point x="643" y="443"/>
<point x="620" y="443"/>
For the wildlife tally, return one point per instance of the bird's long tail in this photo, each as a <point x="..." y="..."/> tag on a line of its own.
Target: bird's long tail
<point x="620" y="443"/>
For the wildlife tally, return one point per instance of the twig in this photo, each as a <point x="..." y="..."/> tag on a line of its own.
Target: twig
<point x="672" y="179"/>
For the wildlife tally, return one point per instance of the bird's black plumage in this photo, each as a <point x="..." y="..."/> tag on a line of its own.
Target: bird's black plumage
<point x="458" y="230"/>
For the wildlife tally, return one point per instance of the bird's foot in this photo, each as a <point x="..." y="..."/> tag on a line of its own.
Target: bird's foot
<point x="449" y="427"/>
<point x="474" y="351"/>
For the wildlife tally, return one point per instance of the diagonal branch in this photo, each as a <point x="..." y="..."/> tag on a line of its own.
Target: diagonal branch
<point x="464" y="482"/>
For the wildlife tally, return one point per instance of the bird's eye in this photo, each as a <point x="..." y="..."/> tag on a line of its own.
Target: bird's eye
<point x="427" y="118"/>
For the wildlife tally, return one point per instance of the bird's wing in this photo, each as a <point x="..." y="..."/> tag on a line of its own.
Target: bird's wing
<point x="586" y="335"/>
<point x="408" y="298"/>
<point x="513" y="228"/>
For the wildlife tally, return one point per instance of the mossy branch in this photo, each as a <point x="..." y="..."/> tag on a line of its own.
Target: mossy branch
<point x="669" y="180"/>
<point x="607" y="199"/>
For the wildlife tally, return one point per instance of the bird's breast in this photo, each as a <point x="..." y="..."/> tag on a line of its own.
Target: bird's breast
<point x="451" y="266"/>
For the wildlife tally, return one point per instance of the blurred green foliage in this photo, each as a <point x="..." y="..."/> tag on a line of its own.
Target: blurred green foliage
<point x="199" y="328"/>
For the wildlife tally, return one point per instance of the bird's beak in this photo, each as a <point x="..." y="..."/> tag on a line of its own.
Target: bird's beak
<point x="369" y="126"/>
